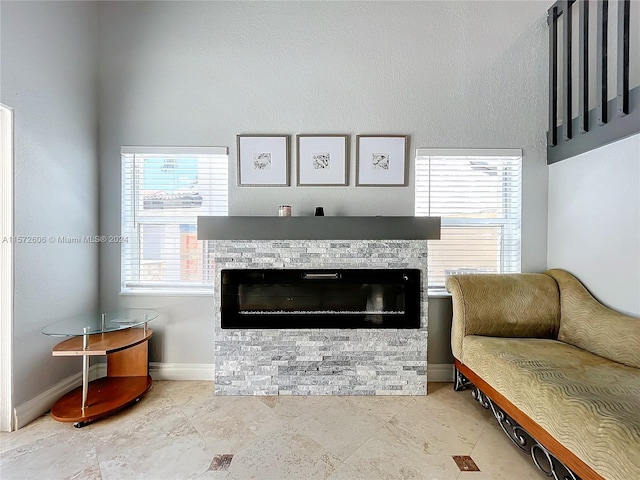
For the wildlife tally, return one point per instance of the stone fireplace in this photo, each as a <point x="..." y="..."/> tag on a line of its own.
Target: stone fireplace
<point x="326" y="361"/>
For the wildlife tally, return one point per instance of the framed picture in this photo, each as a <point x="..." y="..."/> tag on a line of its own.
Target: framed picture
<point x="381" y="160"/>
<point x="263" y="160"/>
<point x="322" y="160"/>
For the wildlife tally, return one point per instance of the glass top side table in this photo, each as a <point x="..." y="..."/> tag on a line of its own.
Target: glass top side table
<point x="123" y="337"/>
<point x="100" y="322"/>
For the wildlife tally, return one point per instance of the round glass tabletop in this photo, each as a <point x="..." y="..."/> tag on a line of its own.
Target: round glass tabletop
<point x="100" y="322"/>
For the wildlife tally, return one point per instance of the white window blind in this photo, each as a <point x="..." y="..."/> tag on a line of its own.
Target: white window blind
<point x="477" y="193"/>
<point x="164" y="190"/>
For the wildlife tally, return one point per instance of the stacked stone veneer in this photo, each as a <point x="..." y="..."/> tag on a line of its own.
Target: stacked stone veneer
<point x="320" y="361"/>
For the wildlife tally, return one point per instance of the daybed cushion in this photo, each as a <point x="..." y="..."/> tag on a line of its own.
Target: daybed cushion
<point x="516" y="305"/>
<point x="588" y="324"/>
<point x="588" y="403"/>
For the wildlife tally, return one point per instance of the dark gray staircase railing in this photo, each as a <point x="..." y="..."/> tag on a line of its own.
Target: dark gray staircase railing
<point x="609" y="120"/>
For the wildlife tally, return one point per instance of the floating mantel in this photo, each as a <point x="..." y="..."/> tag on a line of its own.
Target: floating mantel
<point x="318" y="228"/>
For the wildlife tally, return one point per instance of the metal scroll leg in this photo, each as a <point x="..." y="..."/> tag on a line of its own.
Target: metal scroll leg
<point x="546" y="462"/>
<point x="460" y="381"/>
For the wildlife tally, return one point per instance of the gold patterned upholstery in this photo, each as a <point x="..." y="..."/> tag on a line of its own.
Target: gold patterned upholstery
<point x="588" y="403"/>
<point x="588" y="324"/>
<point x="510" y="305"/>
<point x="558" y="355"/>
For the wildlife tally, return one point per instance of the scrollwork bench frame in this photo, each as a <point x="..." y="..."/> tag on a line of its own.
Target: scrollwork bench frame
<point x="558" y="369"/>
<point x="549" y="456"/>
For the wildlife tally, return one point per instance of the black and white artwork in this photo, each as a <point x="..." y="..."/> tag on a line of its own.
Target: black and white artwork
<point x="381" y="160"/>
<point x="322" y="160"/>
<point x="263" y="160"/>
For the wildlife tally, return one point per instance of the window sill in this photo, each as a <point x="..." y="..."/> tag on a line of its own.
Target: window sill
<point x="438" y="293"/>
<point x="435" y="293"/>
<point x="167" y="293"/>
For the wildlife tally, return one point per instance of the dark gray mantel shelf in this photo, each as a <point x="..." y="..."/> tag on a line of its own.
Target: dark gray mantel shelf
<point x="318" y="228"/>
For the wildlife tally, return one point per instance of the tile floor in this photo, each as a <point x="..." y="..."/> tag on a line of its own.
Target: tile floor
<point x="180" y="430"/>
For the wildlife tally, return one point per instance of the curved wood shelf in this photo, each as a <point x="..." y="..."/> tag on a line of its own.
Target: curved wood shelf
<point x="106" y="395"/>
<point x="102" y="343"/>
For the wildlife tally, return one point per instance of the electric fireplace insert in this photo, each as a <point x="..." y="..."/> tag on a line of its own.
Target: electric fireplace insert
<point x="327" y="298"/>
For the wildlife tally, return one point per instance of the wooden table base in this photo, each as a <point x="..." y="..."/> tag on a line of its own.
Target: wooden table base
<point x="127" y="377"/>
<point x="106" y="395"/>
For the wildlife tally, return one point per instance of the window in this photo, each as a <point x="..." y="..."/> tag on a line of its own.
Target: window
<point x="164" y="190"/>
<point x="477" y="193"/>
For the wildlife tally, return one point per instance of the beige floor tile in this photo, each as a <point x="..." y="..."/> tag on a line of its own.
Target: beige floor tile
<point x="477" y="476"/>
<point x="390" y="455"/>
<point x="40" y="428"/>
<point x="340" y="428"/>
<point x="292" y="406"/>
<point x="90" y="473"/>
<point x="285" y="454"/>
<point x="498" y="457"/>
<point x="176" y="430"/>
<point x="231" y="423"/>
<point x="213" y="475"/>
<point x="140" y="425"/>
<point x="61" y="455"/>
<point x="442" y="394"/>
<point x="182" y="392"/>
<point x="439" y="428"/>
<point x="148" y="409"/>
<point x="180" y="453"/>
<point x="383" y="407"/>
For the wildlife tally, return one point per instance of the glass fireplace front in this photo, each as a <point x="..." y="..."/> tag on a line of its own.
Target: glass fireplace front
<point x="340" y="298"/>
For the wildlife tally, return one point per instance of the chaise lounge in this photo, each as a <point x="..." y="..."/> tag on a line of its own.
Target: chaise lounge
<point x="560" y="371"/>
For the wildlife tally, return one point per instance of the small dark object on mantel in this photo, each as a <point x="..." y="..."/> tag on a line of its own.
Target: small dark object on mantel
<point x="319" y="212"/>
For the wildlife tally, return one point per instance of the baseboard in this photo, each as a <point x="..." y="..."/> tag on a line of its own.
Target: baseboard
<point x="440" y="372"/>
<point x="37" y="406"/>
<point x="31" y="409"/>
<point x="181" y="371"/>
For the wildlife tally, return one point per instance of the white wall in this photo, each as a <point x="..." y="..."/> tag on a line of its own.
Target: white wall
<point x="449" y="74"/>
<point x="48" y="76"/>
<point x="594" y="221"/>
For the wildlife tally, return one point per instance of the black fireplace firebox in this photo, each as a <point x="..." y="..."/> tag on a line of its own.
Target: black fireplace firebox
<point x="327" y="298"/>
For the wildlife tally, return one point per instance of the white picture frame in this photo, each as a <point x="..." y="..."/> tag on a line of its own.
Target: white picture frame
<point x="322" y="160"/>
<point x="263" y="160"/>
<point x="381" y="160"/>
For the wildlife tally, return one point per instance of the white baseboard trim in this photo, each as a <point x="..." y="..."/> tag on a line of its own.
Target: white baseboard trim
<point x="181" y="371"/>
<point x="37" y="406"/>
<point x="440" y="372"/>
<point x="31" y="409"/>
